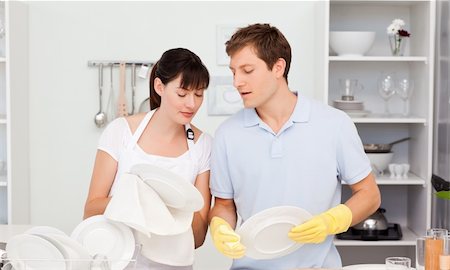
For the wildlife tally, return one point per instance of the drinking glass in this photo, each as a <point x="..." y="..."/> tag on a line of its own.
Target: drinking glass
<point x="404" y="90"/>
<point x="398" y="263"/>
<point x="386" y="89"/>
<point x="434" y="246"/>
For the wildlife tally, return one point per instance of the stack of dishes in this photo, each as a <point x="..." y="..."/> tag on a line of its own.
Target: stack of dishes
<point x="44" y="247"/>
<point x="354" y="108"/>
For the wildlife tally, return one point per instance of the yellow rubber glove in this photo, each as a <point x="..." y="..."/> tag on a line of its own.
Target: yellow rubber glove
<point x="225" y="239"/>
<point x="316" y="230"/>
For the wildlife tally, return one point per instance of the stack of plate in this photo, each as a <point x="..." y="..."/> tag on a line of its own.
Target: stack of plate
<point x="354" y="108"/>
<point x="47" y="248"/>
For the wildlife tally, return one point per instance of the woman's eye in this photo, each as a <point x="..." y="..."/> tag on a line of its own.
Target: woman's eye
<point x="199" y="95"/>
<point x="181" y="95"/>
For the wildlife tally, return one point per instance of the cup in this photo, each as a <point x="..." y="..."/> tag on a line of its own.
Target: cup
<point x="420" y="253"/>
<point x="398" y="170"/>
<point x="391" y="170"/>
<point x="405" y="170"/>
<point x="444" y="258"/>
<point x="398" y="263"/>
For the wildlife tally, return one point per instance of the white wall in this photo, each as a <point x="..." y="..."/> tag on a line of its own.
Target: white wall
<point x="63" y="89"/>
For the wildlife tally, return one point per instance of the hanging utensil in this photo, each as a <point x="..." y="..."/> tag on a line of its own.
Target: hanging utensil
<point x="110" y="108"/>
<point x="100" y="118"/>
<point x="133" y="86"/>
<point x="122" y="101"/>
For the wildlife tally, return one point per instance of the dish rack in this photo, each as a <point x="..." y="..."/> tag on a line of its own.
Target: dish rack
<point x="97" y="262"/>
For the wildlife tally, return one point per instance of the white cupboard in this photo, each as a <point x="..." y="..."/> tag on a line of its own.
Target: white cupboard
<point x="407" y="201"/>
<point x="14" y="149"/>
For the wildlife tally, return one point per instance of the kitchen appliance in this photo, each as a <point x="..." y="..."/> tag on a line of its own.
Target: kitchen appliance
<point x="440" y="207"/>
<point x="375" y="227"/>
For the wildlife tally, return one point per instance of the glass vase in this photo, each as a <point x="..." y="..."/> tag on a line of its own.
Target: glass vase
<point x="398" y="44"/>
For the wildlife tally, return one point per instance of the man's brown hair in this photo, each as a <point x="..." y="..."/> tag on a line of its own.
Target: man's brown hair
<point x="267" y="41"/>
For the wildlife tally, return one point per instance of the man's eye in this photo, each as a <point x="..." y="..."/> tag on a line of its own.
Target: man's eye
<point x="248" y="71"/>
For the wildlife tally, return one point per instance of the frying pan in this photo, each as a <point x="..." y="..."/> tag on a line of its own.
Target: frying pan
<point x="381" y="147"/>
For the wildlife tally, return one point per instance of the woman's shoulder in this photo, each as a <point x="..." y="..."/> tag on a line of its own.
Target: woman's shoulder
<point x="134" y="120"/>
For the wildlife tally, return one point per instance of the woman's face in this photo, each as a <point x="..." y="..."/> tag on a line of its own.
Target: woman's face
<point x="181" y="104"/>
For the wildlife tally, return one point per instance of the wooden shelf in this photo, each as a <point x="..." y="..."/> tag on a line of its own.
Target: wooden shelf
<point x="409" y="239"/>
<point x="378" y="58"/>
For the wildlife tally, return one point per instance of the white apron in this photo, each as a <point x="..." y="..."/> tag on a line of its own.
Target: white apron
<point x="161" y="252"/>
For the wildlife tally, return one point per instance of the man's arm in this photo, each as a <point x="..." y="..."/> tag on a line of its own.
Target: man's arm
<point x="365" y="199"/>
<point x="225" y="209"/>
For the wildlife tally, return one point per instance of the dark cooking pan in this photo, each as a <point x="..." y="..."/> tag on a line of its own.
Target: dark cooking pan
<point x="381" y="147"/>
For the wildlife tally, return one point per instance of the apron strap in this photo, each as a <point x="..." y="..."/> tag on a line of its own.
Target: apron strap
<point x="137" y="134"/>
<point x="190" y="141"/>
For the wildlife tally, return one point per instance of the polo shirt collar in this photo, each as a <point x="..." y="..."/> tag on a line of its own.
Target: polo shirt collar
<point x="301" y="113"/>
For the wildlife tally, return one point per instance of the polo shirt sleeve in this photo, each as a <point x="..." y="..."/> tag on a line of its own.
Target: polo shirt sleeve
<point x="112" y="140"/>
<point x="205" y="154"/>
<point x="220" y="181"/>
<point x="353" y="163"/>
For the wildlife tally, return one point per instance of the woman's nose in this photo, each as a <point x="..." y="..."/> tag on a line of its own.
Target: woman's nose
<point x="190" y="101"/>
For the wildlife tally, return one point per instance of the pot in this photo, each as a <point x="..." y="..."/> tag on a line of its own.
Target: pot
<point x="376" y="221"/>
<point x="382" y="147"/>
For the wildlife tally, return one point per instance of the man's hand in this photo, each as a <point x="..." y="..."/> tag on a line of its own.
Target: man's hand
<point x="225" y="239"/>
<point x="316" y="230"/>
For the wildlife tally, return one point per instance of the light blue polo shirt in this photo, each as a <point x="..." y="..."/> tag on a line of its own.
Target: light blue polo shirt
<point x="303" y="165"/>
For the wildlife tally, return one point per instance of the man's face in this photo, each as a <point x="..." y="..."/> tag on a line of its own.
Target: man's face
<point x="252" y="78"/>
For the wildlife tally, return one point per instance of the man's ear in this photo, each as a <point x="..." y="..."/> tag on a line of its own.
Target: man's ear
<point x="279" y="67"/>
<point x="159" y="86"/>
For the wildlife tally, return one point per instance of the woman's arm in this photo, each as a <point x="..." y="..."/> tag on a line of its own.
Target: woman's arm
<point x="200" y="222"/>
<point x="105" y="169"/>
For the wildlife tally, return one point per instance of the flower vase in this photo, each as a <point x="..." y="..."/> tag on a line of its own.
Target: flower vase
<point x="398" y="44"/>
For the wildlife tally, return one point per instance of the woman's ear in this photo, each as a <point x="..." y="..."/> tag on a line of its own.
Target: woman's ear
<point x="279" y="67"/>
<point x="159" y="86"/>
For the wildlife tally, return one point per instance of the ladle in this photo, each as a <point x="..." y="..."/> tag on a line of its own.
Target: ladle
<point x="100" y="118"/>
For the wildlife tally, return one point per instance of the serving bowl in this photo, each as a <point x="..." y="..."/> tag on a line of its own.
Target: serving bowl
<point x="380" y="161"/>
<point x="351" y="43"/>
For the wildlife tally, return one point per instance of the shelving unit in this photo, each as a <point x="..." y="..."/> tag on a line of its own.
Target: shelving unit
<point x="407" y="201"/>
<point x="14" y="150"/>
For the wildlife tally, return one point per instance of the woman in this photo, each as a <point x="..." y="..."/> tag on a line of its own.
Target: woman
<point x="159" y="137"/>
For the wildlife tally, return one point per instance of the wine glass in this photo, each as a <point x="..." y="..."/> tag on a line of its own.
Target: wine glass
<point x="386" y="89"/>
<point x="404" y="90"/>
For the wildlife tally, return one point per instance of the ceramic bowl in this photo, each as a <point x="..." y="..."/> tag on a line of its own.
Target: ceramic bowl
<point x="380" y="161"/>
<point x="351" y="43"/>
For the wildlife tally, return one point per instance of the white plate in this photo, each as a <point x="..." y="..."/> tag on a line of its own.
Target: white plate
<point x="265" y="235"/>
<point x="77" y="257"/>
<point x="111" y="239"/>
<point x="31" y="252"/>
<point x="367" y="267"/>
<point x="174" y="190"/>
<point x="44" y="230"/>
<point x="357" y="113"/>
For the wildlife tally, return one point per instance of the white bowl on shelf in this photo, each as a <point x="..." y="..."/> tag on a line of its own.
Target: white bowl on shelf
<point x="351" y="43"/>
<point x="380" y="161"/>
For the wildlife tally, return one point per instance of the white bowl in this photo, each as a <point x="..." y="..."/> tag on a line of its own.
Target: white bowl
<point x="380" y="161"/>
<point x="351" y="43"/>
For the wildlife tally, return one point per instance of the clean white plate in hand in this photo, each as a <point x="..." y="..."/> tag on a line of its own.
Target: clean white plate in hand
<point x="31" y="252"/>
<point x="111" y="239"/>
<point x="174" y="190"/>
<point x="367" y="267"/>
<point x="265" y="235"/>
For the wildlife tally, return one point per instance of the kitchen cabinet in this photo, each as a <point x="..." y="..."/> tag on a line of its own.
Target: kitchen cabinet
<point x="14" y="150"/>
<point x="407" y="201"/>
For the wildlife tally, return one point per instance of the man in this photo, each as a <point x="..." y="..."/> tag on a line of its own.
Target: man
<point x="284" y="149"/>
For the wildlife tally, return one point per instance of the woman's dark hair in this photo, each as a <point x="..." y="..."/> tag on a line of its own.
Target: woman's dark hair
<point x="176" y="62"/>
